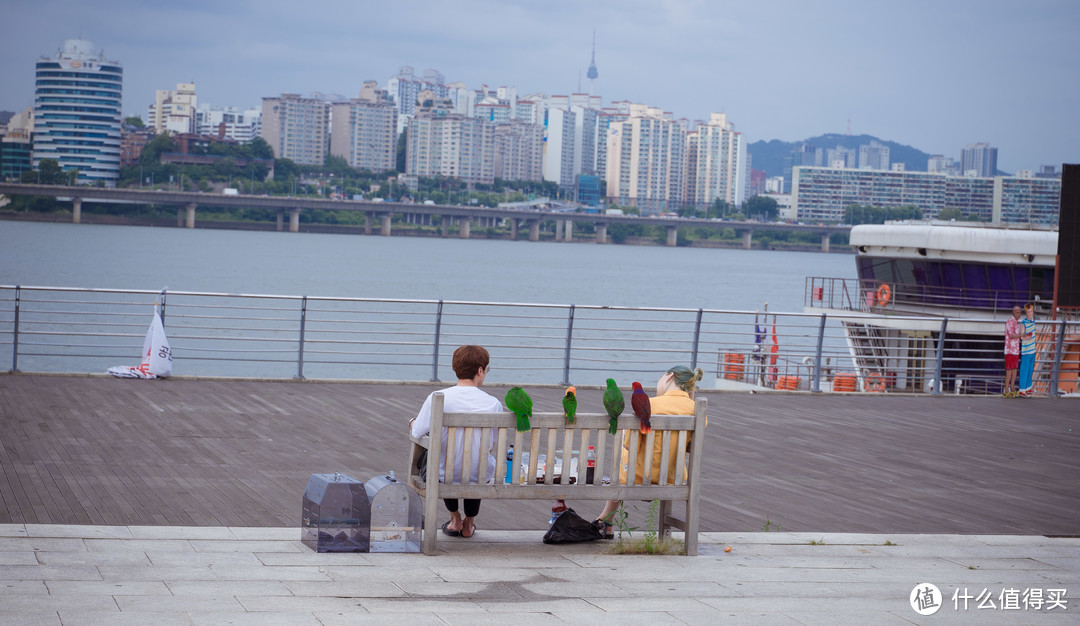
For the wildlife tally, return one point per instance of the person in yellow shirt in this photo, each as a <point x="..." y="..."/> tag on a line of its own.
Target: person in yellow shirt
<point x="674" y="396"/>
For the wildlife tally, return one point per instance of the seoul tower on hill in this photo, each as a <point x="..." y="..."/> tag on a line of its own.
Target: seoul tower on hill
<point x="592" y="73"/>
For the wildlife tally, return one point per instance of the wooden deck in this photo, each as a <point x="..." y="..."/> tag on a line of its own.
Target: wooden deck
<point x="99" y="450"/>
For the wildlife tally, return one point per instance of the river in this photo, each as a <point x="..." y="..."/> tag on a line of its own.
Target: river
<point x="282" y="263"/>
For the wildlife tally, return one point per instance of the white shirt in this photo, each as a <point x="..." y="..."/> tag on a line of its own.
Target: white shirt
<point x="460" y="399"/>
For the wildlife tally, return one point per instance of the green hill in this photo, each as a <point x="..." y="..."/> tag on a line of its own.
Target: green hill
<point x="770" y="155"/>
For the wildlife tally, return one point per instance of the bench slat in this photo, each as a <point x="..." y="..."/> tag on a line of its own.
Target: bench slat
<point x="631" y="463"/>
<point x="665" y="457"/>
<point x="556" y="420"/>
<point x="566" y="492"/>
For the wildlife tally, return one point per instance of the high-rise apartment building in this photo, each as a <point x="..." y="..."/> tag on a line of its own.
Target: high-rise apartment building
<point x="646" y="161"/>
<point x="519" y="151"/>
<point x="873" y="156"/>
<point x="16" y="145"/>
<point x="978" y="159"/>
<point x="840" y="157"/>
<point x="716" y="164"/>
<point x="240" y="125"/>
<point x="559" y="147"/>
<point x="296" y="128"/>
<point x="77" y="112"/>
<point x="440" y="143"/>
<point x="822" y="194"/>
<point x="173" y="111"/>
<point x="363" y="131"/>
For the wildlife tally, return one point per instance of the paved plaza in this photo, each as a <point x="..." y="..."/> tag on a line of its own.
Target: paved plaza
<point x="65" y="574"/>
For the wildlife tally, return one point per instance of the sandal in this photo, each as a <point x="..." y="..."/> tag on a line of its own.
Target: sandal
<point x="605" y="528"/>
<point x="470" y="535"/>
<point x="448" y="532"/>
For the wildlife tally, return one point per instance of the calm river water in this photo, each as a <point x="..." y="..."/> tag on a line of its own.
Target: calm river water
<point x="133" y="257"/>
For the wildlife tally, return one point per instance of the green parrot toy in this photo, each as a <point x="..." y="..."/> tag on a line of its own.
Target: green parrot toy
<point x="519" y="402"/>
<point x="614" y="402"/>
<point x="569" y="404"/>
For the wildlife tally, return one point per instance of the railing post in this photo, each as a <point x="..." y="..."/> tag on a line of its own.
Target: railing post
<point x="697" y="339"/>
<point x="940" y="356"/>
<point x="300" y="352"/>
<point x="816" y="384"/>
<point x="569" y="337"/>
<point x="1056" y="371"/>
<point x="435" y="352"/>
<point x="15" y="340"/>
<point x="163" y="306"/>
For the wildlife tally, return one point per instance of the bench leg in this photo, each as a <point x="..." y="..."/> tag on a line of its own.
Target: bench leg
<point x="663" y="529"/>
<point x="691" y="527"/>
<point x="431" y="524"/>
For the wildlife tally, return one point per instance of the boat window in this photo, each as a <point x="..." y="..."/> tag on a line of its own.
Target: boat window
<point x="1001" y="283"/>
<point x="1022" y="283"/>
<point x="977" y="286"/>
<point x="952" y="279"/>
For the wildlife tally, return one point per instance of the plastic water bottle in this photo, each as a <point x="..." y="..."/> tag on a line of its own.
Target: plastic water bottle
<point x="590" y="465"/>
<point x="509" y="463"/>
<point x="559" y="507"/>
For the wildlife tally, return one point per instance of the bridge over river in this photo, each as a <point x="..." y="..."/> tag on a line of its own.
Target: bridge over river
<point x="381" y="212"/>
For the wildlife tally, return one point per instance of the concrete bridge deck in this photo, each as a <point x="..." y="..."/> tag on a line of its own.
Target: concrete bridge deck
<point x="184" y="452"/>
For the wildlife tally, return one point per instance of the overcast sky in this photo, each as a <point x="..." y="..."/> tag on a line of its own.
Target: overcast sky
<point x="933" y="74"/>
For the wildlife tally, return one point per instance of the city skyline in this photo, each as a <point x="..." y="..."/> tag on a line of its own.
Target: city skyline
<point x="935" y="77"/>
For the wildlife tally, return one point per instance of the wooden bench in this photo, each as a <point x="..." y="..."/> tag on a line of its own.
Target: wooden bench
<point x="552" y="437"/>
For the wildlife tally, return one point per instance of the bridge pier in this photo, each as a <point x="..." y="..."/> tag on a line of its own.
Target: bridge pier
<point x="445" y="226"/>
<point x="601" y="233"/>
<point x="558" y="230"/>
<point x="569" y="231"/>
<point x="672" y="236"/>
<point x="466" y="223"/>
<point x="385" y="230"/>
<point x="747" y="239"/>
<point x="534" y="230"/>
<point x="280" y="219"/>
<point x="825" y="242"/>
<point x="190" y="221"/>
<point x="513" y="229"/>
<point x="369" y="218"/>
<point x="76" y="210"/>
<point x="294" y="220"/>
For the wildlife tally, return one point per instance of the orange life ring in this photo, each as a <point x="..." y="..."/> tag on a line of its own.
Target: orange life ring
<point x="875" y="383"/>
<point x="884" y="294"/>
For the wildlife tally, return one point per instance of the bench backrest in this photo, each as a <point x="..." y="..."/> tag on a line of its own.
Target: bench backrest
<point x="553" y="444"/>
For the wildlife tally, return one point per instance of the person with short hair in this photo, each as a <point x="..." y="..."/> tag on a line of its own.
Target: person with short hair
<point x="1027" y="351"/>
<point x="1013" y="332"/>
<point x="471" y="366"/>
<point x="674" y="396"/>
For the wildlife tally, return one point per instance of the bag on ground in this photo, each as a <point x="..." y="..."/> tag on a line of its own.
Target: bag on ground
<point x="569" y="527"/>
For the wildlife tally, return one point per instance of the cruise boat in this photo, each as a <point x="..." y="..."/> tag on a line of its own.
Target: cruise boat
<point x="918" y="281"/>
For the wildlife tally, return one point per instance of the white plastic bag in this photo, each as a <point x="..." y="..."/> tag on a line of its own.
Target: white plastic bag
<point x="157" y="354"/>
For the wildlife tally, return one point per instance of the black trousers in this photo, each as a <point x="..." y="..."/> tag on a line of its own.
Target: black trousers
<point x="472" y="507"/>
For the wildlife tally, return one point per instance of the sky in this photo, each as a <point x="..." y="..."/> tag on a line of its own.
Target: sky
<point x="933" y="74"/>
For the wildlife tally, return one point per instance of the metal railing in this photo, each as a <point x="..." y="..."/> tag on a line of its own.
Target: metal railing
<point x="57" y="329"/>
<point x="853" y="294"/>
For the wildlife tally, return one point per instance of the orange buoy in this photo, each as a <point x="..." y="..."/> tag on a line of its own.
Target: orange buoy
<point x="884" y="294"/>
<point x="843" y="382"/>
<point x="875" y="383"/>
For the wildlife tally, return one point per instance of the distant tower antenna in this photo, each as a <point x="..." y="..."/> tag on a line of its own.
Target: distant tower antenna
<point x="849" y="126"/>
<point x="592" y="74"/>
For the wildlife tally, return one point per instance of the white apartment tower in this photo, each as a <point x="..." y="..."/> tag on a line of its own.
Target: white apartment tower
<point x="558" y="164"/>
<point x="519" y="151"/>
<point x="447" y="144"/>
<point x="296" y="128"/>
<point x="716" y="164"/>
<point x="646" y="161"/>
<point x="363" y="131"/>
<point x="77" y="112"/>
<point x="173" y="111"/>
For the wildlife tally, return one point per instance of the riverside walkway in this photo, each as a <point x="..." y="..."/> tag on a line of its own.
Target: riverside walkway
<point x="178" y="501"/>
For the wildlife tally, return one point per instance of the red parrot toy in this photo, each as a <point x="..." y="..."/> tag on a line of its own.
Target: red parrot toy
<point x="639" y="400"/>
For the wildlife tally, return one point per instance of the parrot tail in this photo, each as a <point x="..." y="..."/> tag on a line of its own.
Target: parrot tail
<point x="646" y="427"/>
<point x="613" y="425"/>
<point x="523" y="423"/>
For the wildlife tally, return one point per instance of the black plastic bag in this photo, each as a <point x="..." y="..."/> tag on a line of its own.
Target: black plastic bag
<point x="569" y="527"/>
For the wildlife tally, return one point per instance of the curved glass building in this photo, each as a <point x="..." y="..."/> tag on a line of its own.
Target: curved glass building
<point x="77" y="113"/>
